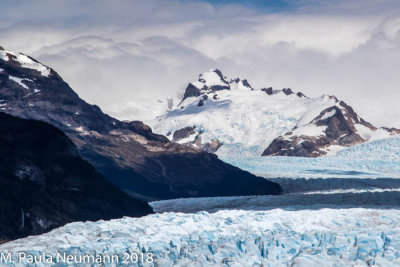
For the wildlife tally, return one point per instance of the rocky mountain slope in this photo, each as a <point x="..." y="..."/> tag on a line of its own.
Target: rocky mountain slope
<point x="231" y="118"/>
<point x="333" y="128"/>
<point x="44" y="183"/>
<point x="129" y="154"/>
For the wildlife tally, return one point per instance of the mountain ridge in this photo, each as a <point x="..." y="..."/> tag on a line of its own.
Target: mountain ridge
<point x="274" y="123"/>
<point x="144" y="164"/>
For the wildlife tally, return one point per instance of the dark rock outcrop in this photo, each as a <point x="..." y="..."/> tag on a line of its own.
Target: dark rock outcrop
<point x="129" y="154"/>
<point x="246" y="83"/>
<point x="183" y="133"/>
<point x="196" y="142"/>
<point x="190" y="91"/>
<point x="44" y="183"/>
<point x="287" y="91"/>
<point x="339" y="122"/>
<point x="300" y="94"/>
<point x="392" y="130"/>
<point x="268" y="90"/>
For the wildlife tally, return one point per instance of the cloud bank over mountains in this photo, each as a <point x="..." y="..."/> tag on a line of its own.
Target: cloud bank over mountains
<point x="125" y="55"/>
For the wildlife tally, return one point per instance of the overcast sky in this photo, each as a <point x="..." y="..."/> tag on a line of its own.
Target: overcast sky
<point x="124" y="55"/>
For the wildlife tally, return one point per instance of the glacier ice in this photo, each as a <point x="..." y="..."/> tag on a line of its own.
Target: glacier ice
<point x="380" y="158"/>
<point x="324" y="237"/>
<point x="345" y="223"/>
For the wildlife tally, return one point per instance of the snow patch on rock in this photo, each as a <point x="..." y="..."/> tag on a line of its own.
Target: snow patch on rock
<point x="25" y="61"/>
<point x="19" y="81"/>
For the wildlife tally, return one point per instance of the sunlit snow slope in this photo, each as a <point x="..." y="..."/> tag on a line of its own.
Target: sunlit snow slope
<point x="25" y="61"/>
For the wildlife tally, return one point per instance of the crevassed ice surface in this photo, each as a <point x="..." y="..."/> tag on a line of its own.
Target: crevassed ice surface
<point x="325" y="237"/>
<point x="357" y="228"/>
<point x="379" y="158"/>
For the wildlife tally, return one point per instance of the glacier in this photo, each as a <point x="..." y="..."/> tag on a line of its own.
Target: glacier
<point x="379" y="158"/>
<point x="338" y="210"/>
<point x="323" y="237"/>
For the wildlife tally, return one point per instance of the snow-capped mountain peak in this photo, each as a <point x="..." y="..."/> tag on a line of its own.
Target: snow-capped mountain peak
<point x="24" y="61"/>
<point x="240" y="84"/>
<point x="148" y="160"/>
<point x="231" y="118"/>
<point x="213" y="80"/>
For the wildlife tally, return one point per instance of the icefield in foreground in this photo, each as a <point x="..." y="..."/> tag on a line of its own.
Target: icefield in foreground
<point x="325" y="237"/>
<point x="342" y="210"/>
<point x="380" y="158"/>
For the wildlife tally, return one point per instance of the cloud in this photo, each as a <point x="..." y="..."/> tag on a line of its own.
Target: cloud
<point x="127" y="55"/>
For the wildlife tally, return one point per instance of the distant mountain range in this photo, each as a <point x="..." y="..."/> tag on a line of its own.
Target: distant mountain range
<point x="231" y="118"/>
<point x="147" y="166"/>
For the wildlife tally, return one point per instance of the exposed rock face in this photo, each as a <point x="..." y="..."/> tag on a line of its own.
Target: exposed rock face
<point x="44" y="183"/>
<point x="129" y="154"/>
<point x="188" y="136"/>
<point x="300" y="94"/>
<point x="191" y="90"/>
<point x="392" y="130"/>
<point x="183" y="133"/>
<point x="210" y="82"/>
<point x="246" y="84"/>
<point x="287" y="91"/>
<point x="338" y="126"/>
<point x="268" y="90"/>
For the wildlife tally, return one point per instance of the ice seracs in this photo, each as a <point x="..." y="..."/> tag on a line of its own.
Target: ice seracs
<point x="231" y="118"/>
<point x="277" y="237"/>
